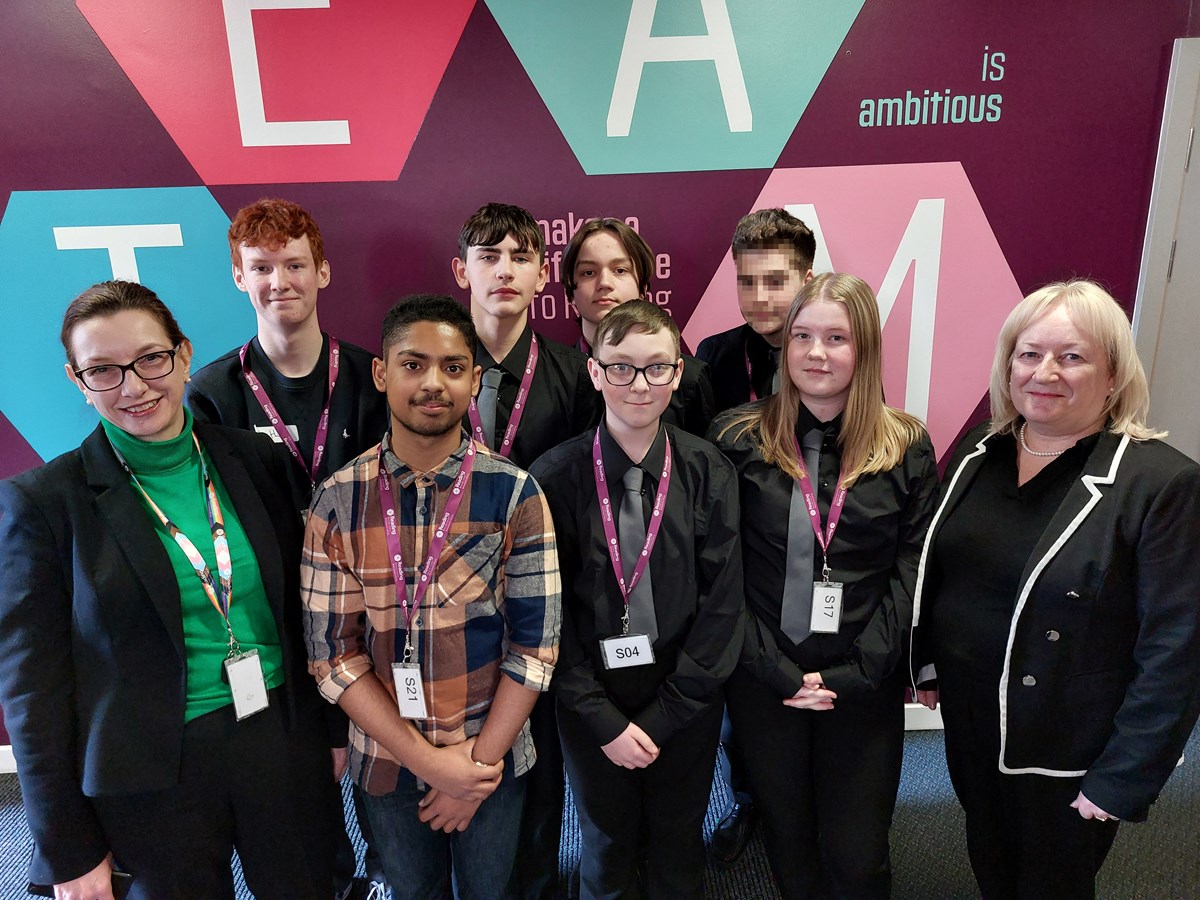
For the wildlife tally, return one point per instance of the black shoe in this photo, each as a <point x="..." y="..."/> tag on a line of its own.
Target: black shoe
<point x="733" y="833"/>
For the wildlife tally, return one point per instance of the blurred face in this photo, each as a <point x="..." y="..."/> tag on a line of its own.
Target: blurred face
<point x="149" y="409"/>
<point x="1059" y="377"/>
<point x="767" y="283"/>
<point x="282" y="283"/>
<point x="429" y="378"/>
<point x="604" y="277"/>
<point x="638" y="405"/>
<point x="820" y="357"/>
<point x="501" y="278"/>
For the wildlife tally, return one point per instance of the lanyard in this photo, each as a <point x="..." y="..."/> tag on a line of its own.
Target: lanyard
<point x="518" y="409"/>
<point x="260" y="394"/>
<point x="814" y="512"/>
<point x="220" y="594"/>
<point x="391" y="532"/>
<point x="610" y="530"/>
<point x="749" y="374"/>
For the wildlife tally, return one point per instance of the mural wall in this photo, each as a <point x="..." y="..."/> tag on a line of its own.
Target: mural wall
<point x="955" y="154"/>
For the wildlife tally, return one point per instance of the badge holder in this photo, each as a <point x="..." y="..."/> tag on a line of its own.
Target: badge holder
<point x="826" y="604"/>
<point x="244" y="673"/>
<point x="410" y="693"/>
<point x="628" y="650"/>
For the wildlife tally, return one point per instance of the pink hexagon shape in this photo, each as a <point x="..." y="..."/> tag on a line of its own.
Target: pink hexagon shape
<point x="917" y="234"/>
<point x="272" y="91"/>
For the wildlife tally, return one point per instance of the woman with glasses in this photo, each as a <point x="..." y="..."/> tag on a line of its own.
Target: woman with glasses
<point x="152" y="673"/>
<point x="836" y="494"/>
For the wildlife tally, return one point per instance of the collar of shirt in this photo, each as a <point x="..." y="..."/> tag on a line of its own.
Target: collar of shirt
<point x="261" y="366"/>
<point x="617" y="463"/>
<point x="806" y="422"/>
<point x="405" y="476"/>
<point x="757" y="348"/>
<point x="514" y="363"/>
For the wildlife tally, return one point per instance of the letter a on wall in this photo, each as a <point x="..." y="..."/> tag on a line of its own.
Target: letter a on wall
<point x="675" y="85"/>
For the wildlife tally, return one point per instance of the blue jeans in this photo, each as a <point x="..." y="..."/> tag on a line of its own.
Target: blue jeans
<point x="418" y="861"/>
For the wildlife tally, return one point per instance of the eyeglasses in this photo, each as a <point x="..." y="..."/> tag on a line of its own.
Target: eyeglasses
<point x="148" y="367"/>
<point x="624" y="374"/>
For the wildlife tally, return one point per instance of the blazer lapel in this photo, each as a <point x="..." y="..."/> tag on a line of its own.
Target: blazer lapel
<point x="130" y="526"/>
<point x="1098" y="473"/>
<point x="251" y="512"/>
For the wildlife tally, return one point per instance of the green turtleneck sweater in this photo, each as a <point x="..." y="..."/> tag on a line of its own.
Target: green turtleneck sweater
<point x="170" y="473"/>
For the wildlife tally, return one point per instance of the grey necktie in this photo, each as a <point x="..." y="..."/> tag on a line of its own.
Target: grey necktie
<point x="631" y="533"/>
<point x="489" y="392"/>
<point x="778" y="373"/>
<point x="796" y="615"/>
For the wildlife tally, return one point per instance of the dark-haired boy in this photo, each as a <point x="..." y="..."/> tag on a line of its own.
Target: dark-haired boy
<point x="431" y="587"/>
<point x="773" y="253"/>
<point x="606" y="264"/>
<point x="296" y="384"/>
<point x="534" y="393"/>
<point x="652" y="602"/>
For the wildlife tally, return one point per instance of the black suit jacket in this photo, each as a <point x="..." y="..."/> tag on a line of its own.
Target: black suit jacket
<point x="92" y="661"/>
<point x="1101" y="678"/>
<point x="726" y="354"/>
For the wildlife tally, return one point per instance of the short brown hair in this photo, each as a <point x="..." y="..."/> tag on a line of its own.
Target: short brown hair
<point x="271" y="223"/>
<point x="776" y="229"/>
<point x="492" y="223"/>
<point x="639" y="252"/>
<point x="634" y="315"/>
<point x="111" y="297"/>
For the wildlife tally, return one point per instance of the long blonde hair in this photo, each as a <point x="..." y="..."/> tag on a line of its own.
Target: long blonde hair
<point x="874" y="436"/>
<point x="1094" y="311"/>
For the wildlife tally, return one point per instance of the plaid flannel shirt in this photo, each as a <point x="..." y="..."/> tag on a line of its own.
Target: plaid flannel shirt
<point x="492" y="607"/>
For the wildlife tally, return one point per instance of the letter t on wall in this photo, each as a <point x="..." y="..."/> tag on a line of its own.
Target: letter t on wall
<point x="640" y="48"/>
<point x="120" y="241"/>
<point x="247" y="83"/>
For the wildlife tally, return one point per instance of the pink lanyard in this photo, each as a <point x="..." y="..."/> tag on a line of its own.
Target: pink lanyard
<point x="814" y="512"/>
<point x="260" y="394"/>
<point x="749" y="375"/>
<point x="391" y="532"/>
<point x="518" y="409"/>
<point x="610" y="530"/>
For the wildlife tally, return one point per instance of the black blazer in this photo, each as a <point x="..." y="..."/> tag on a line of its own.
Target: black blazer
<point x="1102" y="672"/>
<point x="92" y="662"/>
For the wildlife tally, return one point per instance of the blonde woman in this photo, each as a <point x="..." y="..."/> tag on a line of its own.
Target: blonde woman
<point x="817" y="702"/>
<point x="1057" y="598"/>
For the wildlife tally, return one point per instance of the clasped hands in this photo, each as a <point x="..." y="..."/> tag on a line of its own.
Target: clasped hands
<point x="457" y="786"/>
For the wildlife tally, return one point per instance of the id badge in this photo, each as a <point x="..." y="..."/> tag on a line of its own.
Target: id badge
<point x="410" y="693"/>
<point x="826" y="607"/>
<point x="245" y="674"/>
<point x="627" y="650"/>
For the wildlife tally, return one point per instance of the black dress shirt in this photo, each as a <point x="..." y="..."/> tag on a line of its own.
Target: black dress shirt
<point x="726" y="354"/>
<point x="562" y="401"/>
<point x="982" y="550"/>
<point x="696" y="573"/>
<point x="874" y="554"/>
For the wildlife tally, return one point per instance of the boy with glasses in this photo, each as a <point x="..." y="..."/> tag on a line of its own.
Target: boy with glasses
<point x="647" y="526"/>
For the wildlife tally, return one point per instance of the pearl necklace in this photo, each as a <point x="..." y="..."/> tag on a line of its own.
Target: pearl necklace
<point x="1025" y="446"/>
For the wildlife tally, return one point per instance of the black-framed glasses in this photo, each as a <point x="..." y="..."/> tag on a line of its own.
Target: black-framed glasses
<point x="148" y="367"/>
<point x="624" y="374"/>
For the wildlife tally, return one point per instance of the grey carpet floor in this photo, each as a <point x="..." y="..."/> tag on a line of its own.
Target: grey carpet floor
<point x="1159" y="860"/>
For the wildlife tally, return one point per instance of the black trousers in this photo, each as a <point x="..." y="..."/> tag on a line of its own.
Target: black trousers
<point x="535" y="873"/>
<point x="825" y="784"/>
<point x="659" y="809"/>
<point x="1023" y="837"/>
<point x="249" y="785"/>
